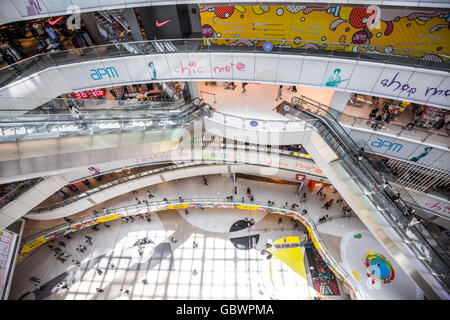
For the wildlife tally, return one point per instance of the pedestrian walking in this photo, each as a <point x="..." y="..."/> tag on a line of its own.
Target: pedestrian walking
<point x="327" y="204"/>
<point x="67" y="220"/>
<point x="320" y="191"/>
<point x="99" y="290"/>
<point x="149" y="194"/>
<point x="186" y="212"/>
<point x="280" y="220"/>
<point x="235" y="189"/>
<point x="76" y="262"/>
<point x="38" y="287"/>
<point x="138" y="201"/>
<point x="304" y="197"/>
<point x="280" y="90"/>
<point x="360" y="154"/>
<point x="243" y="86"/>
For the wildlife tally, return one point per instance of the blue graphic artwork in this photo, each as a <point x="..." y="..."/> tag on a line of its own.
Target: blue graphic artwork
<point x="335" y="79"/>
<point x="254" y="123"/>
<point x="268" y="46"/>
<point x="152" y="66"/>
<point x="423" y="154"/>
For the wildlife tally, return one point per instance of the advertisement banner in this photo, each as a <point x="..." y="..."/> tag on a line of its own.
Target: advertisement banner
<point x="353" y="29"/>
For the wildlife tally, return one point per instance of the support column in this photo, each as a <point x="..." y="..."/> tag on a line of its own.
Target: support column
<point x="193" y="90"/>
<point x="130" y="14"/>
<point x="338" y="103"/>
<point x="92" y="28"/>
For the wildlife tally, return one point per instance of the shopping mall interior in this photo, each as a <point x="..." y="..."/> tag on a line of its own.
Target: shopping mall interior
<point x="180" y="150"/>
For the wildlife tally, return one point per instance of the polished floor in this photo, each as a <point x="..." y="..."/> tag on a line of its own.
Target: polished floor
<point x="258" y="101"/>
<point x="224" y="269"/>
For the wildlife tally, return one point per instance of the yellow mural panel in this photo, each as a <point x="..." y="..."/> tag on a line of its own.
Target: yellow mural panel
<point x="246" y="207"/>
<point x="32" y="245"/>
<point x="177" y="206"/>
<point x="331" y="27"/>
<point x="292" y="257"/>
<point x="108" y="218"/>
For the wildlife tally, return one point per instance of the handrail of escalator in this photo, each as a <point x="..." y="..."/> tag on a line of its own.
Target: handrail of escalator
<point x="39" y="62"/>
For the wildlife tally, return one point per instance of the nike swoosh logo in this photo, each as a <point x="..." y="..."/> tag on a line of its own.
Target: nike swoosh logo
<point x="54" y="21"/>
<point x="160" y="24"/>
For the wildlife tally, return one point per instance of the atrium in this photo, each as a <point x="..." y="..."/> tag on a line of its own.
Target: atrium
<point x="236" y="151"/>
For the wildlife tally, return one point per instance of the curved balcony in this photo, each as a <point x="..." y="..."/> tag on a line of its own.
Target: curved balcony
<point x="367" y="70"/>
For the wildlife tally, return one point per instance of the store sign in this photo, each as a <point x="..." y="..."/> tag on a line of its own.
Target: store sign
<point x="81" y="94"/>
<point x="97" y="93"/>
<point x="97" y="74"/>
<point x="300" y="177"/>
<point x="388" y="145"/>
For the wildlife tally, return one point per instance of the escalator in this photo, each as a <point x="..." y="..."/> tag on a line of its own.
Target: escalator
<point x="363" y="184"/>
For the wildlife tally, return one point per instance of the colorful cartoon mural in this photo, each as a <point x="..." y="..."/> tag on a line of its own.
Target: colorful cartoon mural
<point x="402" y="32"/>
<point x="378" y="268"/>
<point x="324" y="280"/>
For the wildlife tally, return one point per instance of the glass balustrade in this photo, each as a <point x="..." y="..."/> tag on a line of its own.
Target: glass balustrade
<point x="397" y="56"/>
<point x="21" y="189"/>
<point x="55" y="120"/>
